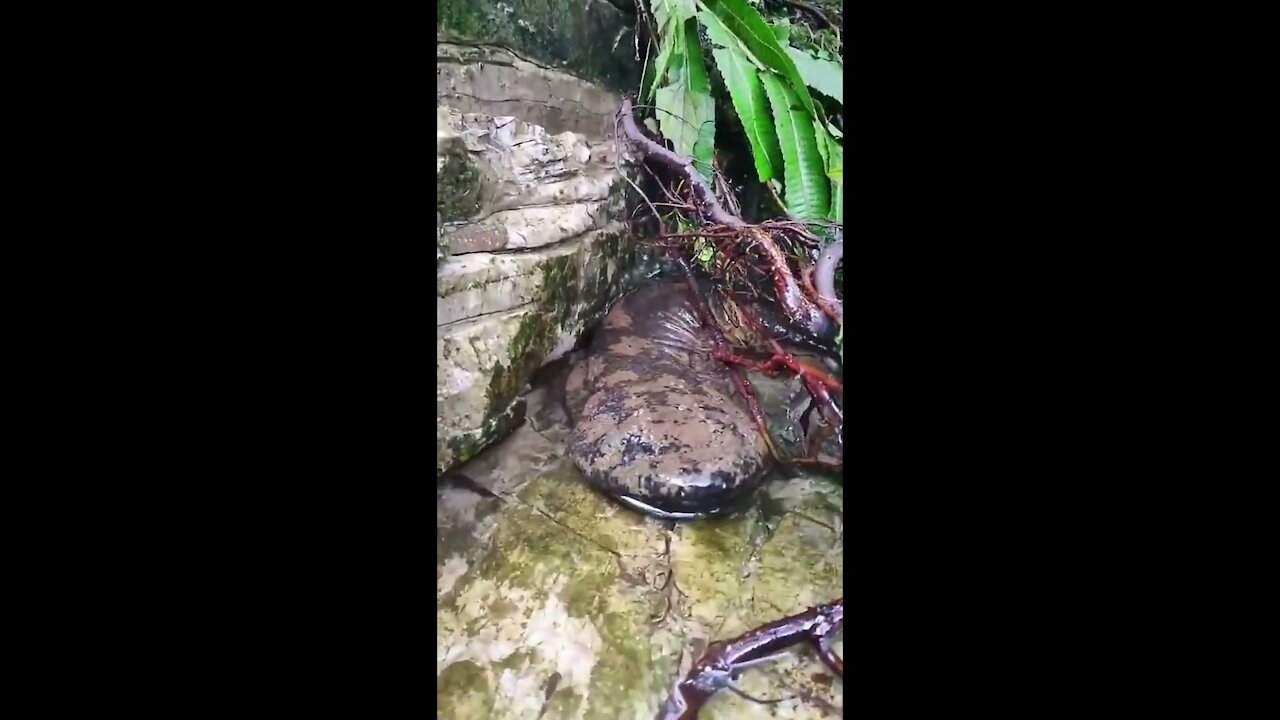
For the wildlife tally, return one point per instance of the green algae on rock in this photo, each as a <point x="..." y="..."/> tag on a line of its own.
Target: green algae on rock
<point x="557" y="202"/>
<point x="459" y="189"/>
<point x="484" y="364"/>
<point x="538" y="575"/>
<point x="593" y="39"/>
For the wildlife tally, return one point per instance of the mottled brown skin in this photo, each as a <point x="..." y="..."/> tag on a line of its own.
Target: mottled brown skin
<point x="657" y="423"/>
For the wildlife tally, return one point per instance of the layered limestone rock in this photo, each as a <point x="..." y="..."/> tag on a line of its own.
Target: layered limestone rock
<point x="496" y="81"/>
<point x="501" y="317"/>
<point x="532" y="243"/>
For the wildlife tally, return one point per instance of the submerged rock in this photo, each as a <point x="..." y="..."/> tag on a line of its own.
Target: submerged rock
<point x="658" y="423"/>
<point x="553" y="602"/>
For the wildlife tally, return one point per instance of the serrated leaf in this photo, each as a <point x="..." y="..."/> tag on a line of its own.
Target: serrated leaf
<point x="822" y="75"/>
<point x="835" y="164"/>
<point x="695" y="69"/>
<point x="820" y="141"/>
<point x="663" y="62"/>
<point x="808" y="192"/>
<point x="671" y="16"/>
<point x="681" y="114"/>
<point x="704" y="150"/>
<point x="749" y="101"/>
<point x="722" y="36"/>
<point x="716" y="30"/>
<point x="745" y="23"/>
<point x="669" y="11"/>
<point x="686" y="112"/>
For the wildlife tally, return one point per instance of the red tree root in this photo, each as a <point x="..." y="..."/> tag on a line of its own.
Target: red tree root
<point x="798" y="308"/>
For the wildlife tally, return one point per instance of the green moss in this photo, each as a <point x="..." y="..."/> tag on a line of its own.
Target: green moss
<point x="463" y="690"/>
<point x="532" y="342"/>
<point x="593" y="39"/>
<point x="458" y="186"/>
<point x="554" y="309"/>
<point x="461" y="17"/>
<point x="630" y="669"/>
<point x="561" y="287"/>
<point x="528" y="550"/>
<point x="461" y="448"/>
<point x="528" y="530"/>
<point x="565" y="703"/>
<point x="442" y="245"/>
<point x="720" y="539"/>
<point x="567" y="297"/>
<point x="585" y="593"/>
<point x="557" y="533"/>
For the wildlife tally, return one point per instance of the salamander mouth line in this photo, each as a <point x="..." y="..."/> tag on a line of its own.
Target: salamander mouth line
<point x="647" y="509"/>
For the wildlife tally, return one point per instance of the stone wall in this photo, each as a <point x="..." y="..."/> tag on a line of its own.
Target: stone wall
<point x="591" y="39"/>
<point x="532" y="243"/>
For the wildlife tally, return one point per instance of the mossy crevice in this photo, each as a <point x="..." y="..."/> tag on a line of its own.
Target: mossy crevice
<point x="459" y="187"/>
<point x="442" y="245"/>
<point x="594" y="40"/>
<point x="556" y="307"/>
<point x="496" y="424"/>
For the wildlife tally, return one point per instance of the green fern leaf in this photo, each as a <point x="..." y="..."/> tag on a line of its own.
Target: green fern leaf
<point x="704" y="150"/>
<point x="682" y="114"/>
<point x="833" y="159"/>
<point x="825" y="76"/>
<point x="695" y="71"/>
<point x="749" y="102"/>
<point x="672" y="11"/>
<point x="808" y="191"/>
<point x="686" y="112"/>
<point x="663" y="62"/>
<point x="745" y="23"/>
<point x="837" y="203"/>
<point x="671" y="16"/>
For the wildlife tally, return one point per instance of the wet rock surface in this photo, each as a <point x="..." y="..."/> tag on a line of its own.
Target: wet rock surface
<point x="593" y="39"/>
<point x="657" y="421"/>
<point x="532" y="238"/>
<point x="494" y="80"/>
<point x="555" y="602"/>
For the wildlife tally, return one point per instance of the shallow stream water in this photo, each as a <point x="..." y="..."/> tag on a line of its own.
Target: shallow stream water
<point x="555" y="602"/>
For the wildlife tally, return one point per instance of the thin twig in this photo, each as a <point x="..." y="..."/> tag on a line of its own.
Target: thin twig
<point x="797" y="307"/>
<point x="706" y="198"/>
